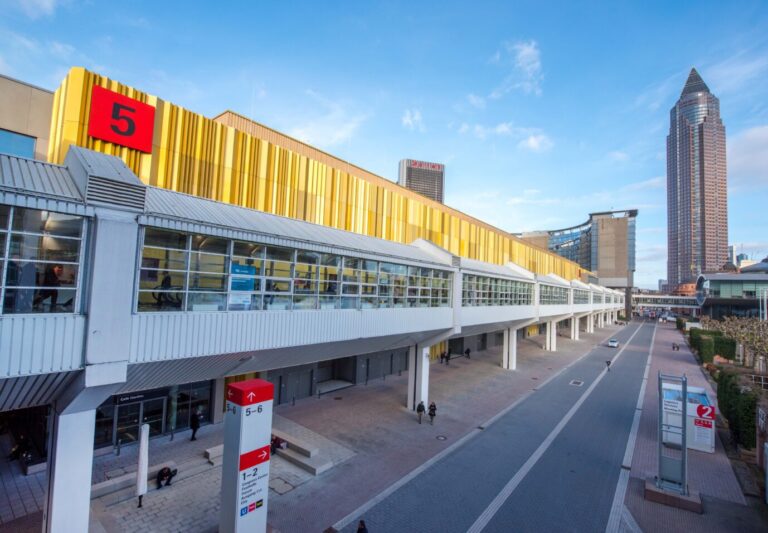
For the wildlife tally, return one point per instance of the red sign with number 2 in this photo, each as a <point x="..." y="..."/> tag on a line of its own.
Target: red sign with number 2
<point x="121" y="120"/>
<point x="705" y="411"/>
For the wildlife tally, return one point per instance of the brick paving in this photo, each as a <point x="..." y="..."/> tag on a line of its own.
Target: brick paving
<point x="20" y="495"/>
<point x="711" y="474"/>
<point x="371" y="421"/>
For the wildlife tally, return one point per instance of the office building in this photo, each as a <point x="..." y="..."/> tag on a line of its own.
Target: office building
<point x="425" y="178"/>
<point x="697" y="200"/>
<point x="604" y="245"/>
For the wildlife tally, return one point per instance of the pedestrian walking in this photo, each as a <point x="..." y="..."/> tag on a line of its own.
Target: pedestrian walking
<point x="361" y="527"/>
<point x="448" y="358"/>
<point x="194" y="424"/>
<point x="432" y="412"/>
<point x="467" y="352"/>
<point x="608" y="365"/>
<point x="420" y="411"/>
<point x="442" y="357"/>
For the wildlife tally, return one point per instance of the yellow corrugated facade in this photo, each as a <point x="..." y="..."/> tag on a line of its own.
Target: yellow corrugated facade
<point x="232" y="159"/>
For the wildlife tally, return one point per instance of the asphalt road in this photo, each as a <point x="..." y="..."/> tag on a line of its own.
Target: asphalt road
<point x="549" y="464"/>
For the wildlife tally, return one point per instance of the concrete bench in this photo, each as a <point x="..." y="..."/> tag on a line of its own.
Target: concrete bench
<point x="295" y="444"/>
<point x="127" y="480"/>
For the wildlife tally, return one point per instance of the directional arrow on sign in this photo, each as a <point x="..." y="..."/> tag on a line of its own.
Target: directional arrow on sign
<point x="251" y="396"/>
<point x="263" y="454"/>
<point x="229" y="393"/>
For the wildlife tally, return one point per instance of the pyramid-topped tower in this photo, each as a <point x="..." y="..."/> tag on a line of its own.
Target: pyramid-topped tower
<point x="697" y="200"/>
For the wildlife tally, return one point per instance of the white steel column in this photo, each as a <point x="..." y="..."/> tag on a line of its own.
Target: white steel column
<point x="577" y="326"/>
<point x="548" y="337"/>
<point x="418" y="375"/>
<point x="70" y="460"/>
<point x="553" y="345"/>
<point x="509" y="352"/>
<point x="574" y="327"/>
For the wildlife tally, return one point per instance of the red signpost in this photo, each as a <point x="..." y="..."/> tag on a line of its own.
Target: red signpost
<point x="245" y="465"/>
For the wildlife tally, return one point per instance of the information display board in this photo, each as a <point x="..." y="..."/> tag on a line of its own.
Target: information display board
<point x="700" y="423"/>
<point x="245" y="462"/>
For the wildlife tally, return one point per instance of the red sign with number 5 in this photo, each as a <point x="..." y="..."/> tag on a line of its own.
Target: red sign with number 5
<point x="121" y="120"/>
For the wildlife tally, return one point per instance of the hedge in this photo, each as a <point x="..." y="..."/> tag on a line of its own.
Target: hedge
<point x="725" y="347"/>
<point x="706" y="348"/>
<point x="738" y="407"/>
<point x="680" y="323"/>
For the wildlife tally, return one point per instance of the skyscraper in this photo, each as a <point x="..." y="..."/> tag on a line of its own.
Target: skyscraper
<point x="423" y="177"/>
<point x="697" y="202"/>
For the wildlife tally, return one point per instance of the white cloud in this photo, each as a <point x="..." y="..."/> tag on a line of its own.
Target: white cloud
<point x="61" y="50"/>
<point x="735" y="72"/>
<point x="476" y="101"/>
<point x="618" y="156"/>
<point x="335" y="126"/>
<point x="748" y="158"/>
<point x="653" y="183"/>
<point x="412" y="120"/>
<point x="526" y="75"/>
<point x="35" y="9"/>
<point x="536" y="143"/>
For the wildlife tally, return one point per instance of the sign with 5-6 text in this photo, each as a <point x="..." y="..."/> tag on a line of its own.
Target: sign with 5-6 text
<point x="121" y="120"/>
<point x="245" y="464"/>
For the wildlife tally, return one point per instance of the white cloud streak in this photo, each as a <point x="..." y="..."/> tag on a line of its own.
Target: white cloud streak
<point x="412" y="120"/>
<point x="748" y="158"/>
<point x="335" y="126"/>
<point x="526" y="76"/>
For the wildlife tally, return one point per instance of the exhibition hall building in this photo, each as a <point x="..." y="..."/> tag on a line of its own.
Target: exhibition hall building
<point x="150" y="255"/>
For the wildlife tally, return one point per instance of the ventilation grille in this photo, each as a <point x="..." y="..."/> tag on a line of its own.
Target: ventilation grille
<point x="456" y="261"/>
<point x="115" y="193"/>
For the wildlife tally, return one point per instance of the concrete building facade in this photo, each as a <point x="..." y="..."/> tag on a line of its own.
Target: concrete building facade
<point x="604" y="245"/>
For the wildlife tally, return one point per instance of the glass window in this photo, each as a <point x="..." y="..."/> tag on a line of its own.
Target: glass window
<point x="211" y="245"/>
<point x="46" y="222"/>
<point x="42" y="270"/>
<point x="204" y="273"/>
<point x="17" y="144"/>
<point x="206" y="301"/>
<point x="280" y="254"/>
<point x="248" y="249"/>
<point x="164" y="239"/>
<point x="201" y="262"/>
<point x="244" y="302"/>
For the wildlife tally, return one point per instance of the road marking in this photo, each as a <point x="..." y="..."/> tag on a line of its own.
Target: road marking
<point x="617" y="507"/>
<point x="360" y="511"/>
<point x="490" y="511"/>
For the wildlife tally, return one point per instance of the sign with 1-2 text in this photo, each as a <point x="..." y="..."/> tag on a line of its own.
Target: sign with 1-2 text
<point x="245" y="464"/>
<point x="121" y="120"/>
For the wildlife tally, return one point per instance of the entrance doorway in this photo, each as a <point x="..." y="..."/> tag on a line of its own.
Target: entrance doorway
<point x="130" y="416"/>
<point x="335" y="374"/>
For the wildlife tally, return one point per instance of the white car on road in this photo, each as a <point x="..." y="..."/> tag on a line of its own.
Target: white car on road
<point x="613" y="343"/>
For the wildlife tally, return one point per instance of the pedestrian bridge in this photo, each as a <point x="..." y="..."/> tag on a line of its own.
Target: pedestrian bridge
<point x="663" y="301"/>
<point x="111" y="286"/>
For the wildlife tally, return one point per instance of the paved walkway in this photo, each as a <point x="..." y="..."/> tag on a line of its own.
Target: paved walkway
<point x="711" y="474"/>
<point x="378" y="442"/>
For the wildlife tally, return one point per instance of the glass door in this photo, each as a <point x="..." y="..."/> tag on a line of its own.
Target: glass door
<point x="153" y="413"/>
<point x="127" y="422"/>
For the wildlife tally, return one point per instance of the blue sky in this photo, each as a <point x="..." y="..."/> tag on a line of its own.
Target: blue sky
<point x="541" y="112"/>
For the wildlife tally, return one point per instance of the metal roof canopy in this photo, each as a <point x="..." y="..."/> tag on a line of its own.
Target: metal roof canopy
<point x="173" y="210"/>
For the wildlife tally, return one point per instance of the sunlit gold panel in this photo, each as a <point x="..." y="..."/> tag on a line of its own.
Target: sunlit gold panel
<point x="235" y="160"/>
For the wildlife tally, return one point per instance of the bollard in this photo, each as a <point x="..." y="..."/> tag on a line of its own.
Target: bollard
<point x="383" y="377"/>
<point x="117" y="450"/>
<point x="293" y="401"/>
